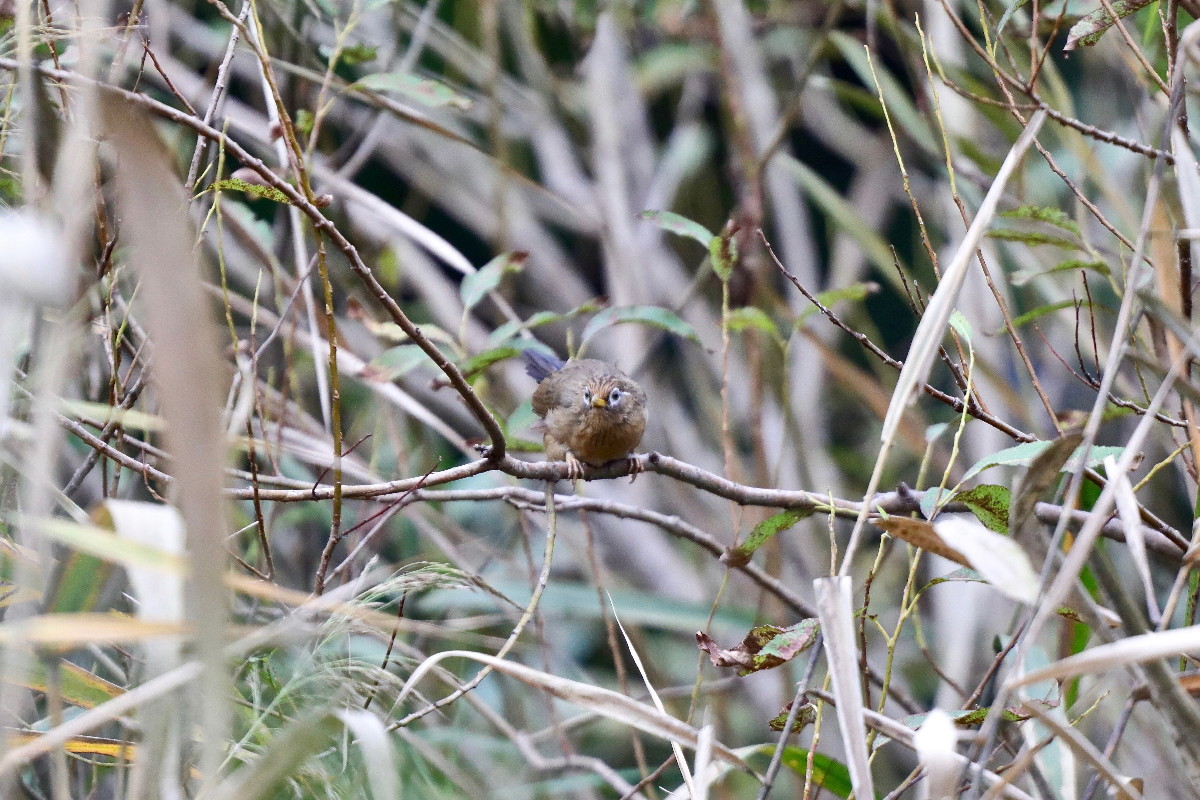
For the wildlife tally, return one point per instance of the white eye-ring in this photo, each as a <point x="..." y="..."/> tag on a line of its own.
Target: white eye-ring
<point x="587" y="397"/>
<point x="614" y="396"/>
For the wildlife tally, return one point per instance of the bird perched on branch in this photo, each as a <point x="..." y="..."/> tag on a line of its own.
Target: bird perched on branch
<point x="592" y="412"/>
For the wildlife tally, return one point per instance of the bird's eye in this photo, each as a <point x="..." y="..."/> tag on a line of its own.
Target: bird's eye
<point x="614" y="396"/>
<point x="587" y="396"/>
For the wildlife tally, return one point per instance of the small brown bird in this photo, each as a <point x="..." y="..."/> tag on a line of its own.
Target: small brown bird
<point x="592" y="412"/>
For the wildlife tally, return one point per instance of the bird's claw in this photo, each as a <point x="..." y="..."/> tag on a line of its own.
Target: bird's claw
<point x="574" y="467"/>
<point x="635" y="468"/>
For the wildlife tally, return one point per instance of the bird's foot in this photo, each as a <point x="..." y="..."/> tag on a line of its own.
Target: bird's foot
<point x="574" y="467"/>
<point x="635" y="467"/>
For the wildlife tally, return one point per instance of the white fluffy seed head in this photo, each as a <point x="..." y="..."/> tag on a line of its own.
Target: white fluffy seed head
<point x="936" y="742"/>
<point x="33" y="261"/>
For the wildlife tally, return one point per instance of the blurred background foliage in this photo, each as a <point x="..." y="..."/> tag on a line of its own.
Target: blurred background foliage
<point x="490" y="163"/>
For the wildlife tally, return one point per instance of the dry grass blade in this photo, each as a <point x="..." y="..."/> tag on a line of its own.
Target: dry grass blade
<point x="680" y="761"/>
<point x="1131" y="650"/>
<point x="188" y="377"/>
<point x="605" y="702"/>
<point x="1135" y="534"/>
<point x="924" y="347"/>
<point x="837" y="626"/>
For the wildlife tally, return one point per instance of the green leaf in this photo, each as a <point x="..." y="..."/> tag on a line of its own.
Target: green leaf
<point x="78" y="686"/>
<point x="853" y="293"/>
<point x="741" y="319"/>
<point x="1022" y="455"/>
<point x="787" y="643"/>
<point x="1051" y="216"/>
<point x="1088" y="30"/>
<point x="806" y="716"/>
<point x="394" y="362"/>
<point x="763" y="531"/>
<point x="239" y="185"/>
<point x="427" y="92"/>
<point x="1037" y="313"/>
<point x="989" y="503"/>
<point x="1032" y="238"/>
<point x="904" y="112"/>
<point x="958" y="321"/>
<point x="1022" y="277"/>
<point x="470" y="367"/>
<point x="513" y="327"/>
<point x="679" y="225"/>
<point x="764" y="647"/>
<point x="80" y="579"/>
<point x="828" y="773"/>
<point x="960" y="575"/>
<point x="359" y="53"/>
<point x="476" y="285"/>
<point x="932" y="500"/>
<point x="647" y="315"/>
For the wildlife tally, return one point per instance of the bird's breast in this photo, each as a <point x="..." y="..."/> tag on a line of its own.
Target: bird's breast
<point x="603" y="436"/>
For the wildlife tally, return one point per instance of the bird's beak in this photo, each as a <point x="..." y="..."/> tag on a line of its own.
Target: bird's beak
<point x="599" y="401"/>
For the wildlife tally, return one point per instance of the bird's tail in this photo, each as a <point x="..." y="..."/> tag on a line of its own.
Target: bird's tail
<point x="539" y="365"/>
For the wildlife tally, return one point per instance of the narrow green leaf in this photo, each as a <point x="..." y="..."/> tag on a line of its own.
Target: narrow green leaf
<point x="78" y="686"/>
<point x="427" y="92"/>
<point x="239" y="185"/>
<point x="960" y="575"/>
<point x="1039" y="312"/>
<point x="664" y="67"/>
<point x="678" y="224"/>
<point x="470" y="367"/>
<point x="1023" y="277"/>
<point x="1022" y="455"/>
<point x="647" y="315"/>
<point x="476" y="285"/>
<point x="1088" y="30"/>
<point x="1032" y="238"/>
<point x="904" y="111"/>
<point x="762" y="532"/>
<point x="513" y="327"/>
<point x="1051" y="216"/>
<point x="854" y="293"/>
